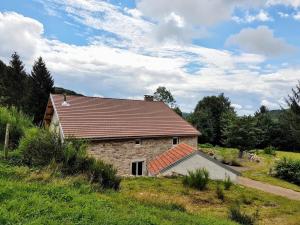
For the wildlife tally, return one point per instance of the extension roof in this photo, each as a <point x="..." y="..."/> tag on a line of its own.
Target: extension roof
<point x="168" y="158"/>
<point x="178" y="154"/>
<point x="108" y="118"/>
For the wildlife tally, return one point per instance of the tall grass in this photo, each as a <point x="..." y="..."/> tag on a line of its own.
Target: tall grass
<point x="19" y="123"/>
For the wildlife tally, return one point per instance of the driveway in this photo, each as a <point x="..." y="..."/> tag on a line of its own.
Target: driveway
<point x="276" y="190"/>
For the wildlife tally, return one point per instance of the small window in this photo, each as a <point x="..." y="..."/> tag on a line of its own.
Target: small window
<point x="137" y="168"/>
<point x="138" y="141"/>
<point x="175" y="140"/>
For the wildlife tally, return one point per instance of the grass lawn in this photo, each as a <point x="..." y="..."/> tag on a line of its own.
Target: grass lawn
<point x="38" y="197"/>
<point x="259" y="171"/>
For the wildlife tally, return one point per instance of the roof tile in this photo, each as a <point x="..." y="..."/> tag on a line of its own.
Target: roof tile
<point x="169" y="157"/>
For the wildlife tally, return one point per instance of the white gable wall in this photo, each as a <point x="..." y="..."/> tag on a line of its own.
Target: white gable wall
<point x="196" y="161"/>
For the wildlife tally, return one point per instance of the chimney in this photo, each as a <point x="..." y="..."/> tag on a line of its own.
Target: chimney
<point x="148" y="98"/>
<point x="65" y="103"/>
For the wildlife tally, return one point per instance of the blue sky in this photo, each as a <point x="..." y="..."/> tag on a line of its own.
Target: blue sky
<point x="248" y="50"/>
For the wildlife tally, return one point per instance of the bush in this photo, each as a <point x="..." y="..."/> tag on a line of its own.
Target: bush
<point x="236" y="215"/>
<point x="19" y="123"/>
<point x="38" y="147"/>
<point x="74" y="157"/>
<point x="198" y="179"/>
<point x="270" y="150"/>
<point x="220" y="192"/>
<point x="206" y="145"/>
<point x="227" y="183"/>
<point x="103" y="174"/>
<point x="288" y="169"/>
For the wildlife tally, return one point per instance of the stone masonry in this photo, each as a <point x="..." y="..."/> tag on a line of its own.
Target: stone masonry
<point x="121" y="153"/>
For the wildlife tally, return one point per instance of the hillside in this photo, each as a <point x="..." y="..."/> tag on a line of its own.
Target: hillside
<point x="61" y="90"/>
<point x="42" y="197"/>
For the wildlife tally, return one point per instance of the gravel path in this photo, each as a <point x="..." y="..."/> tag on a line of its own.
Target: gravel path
<point x="276" y="190"/>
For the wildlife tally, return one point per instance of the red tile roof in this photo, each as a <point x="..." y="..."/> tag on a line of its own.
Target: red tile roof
<point x="100" y="118"/>
<point x="169" y="157"/>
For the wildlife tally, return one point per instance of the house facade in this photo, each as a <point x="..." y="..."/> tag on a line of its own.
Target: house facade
<point x="126" y="133"/>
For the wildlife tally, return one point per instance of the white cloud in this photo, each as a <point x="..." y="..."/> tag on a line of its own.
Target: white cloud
<point x="19" y="33"/>
<point x="297" y="16"/>
<point x="237" y="106"/>
<point x="133" y="71"/>
<point x="261" y="16"/>
<point x="195" y="14"/>
<point x="283" y="15"/>
<point x="293" y="3"/>
<point x="260" y="40"/>
<point x="270" y="105"/>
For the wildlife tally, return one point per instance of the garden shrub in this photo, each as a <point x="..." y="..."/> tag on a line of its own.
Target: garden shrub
<point x="236" y="215"/>
<point x="198" y="179"/>
<point x="270" y="150"/>
<point x="227" y="183"/>
<point x="288" y="169"/>
<point x="38" y="147"/>
<point x="19" y="122"/>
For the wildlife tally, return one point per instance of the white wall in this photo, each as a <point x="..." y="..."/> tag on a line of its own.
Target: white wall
<point x="216" y="172"/>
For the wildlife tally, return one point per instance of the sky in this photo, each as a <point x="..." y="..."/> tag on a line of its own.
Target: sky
<point x="246" y="49"/>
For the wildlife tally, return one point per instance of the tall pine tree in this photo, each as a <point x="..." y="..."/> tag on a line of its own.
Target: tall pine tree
<point x="3" y="81"/>
<point x="41" y="86"/>
<point x="16" y="83"/>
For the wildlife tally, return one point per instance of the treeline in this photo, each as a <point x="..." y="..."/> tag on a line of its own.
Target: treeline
<point x="219" y="124"/>
<point x="27" y="92"/>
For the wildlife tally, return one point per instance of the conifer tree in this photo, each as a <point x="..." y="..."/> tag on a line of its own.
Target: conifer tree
<point x="16" y="83"/>
<point x="41" y="86"/>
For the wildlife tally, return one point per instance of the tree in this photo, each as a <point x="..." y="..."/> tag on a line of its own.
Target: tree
<point x="202" y="120"/>
<point x="292" y="115"/>
<point x="16" y="83"/>
<point x="241" y="133"/>
<point x="3" y="82"/>
<point x="208" y="117"/>
<point x="177" y="110"/>
<point x="162" y="94"/>
<point x="41" y="86"/>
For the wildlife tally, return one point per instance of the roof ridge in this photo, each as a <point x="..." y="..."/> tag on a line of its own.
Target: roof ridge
<point x="111" y="98"/>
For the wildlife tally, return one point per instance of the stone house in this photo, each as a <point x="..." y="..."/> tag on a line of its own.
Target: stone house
<point x="130" y="134"/>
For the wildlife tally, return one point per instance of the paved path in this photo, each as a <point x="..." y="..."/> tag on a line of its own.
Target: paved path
<point x="276" y="190"/>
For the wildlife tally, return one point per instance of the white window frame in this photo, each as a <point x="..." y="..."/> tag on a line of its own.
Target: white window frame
<point x="177" y="138"/>
<point x="143" y="167"/>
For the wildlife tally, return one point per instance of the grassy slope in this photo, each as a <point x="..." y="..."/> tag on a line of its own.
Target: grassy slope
<point x="259" y="171"/>
<point x="29" y="197"/>
<point x="33" y="198"/>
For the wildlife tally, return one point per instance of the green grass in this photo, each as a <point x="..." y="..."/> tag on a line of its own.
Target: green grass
<point x="30" y="196"/>
<point x="258" y="171"/>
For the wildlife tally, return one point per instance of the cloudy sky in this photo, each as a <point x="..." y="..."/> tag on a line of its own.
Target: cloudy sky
<point x="247" y="49"/>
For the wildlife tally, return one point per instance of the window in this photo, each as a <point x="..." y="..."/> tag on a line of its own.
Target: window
<point x="137" y="168"/>
<point x="138" y="141"/>
<point x="175" y="140"/>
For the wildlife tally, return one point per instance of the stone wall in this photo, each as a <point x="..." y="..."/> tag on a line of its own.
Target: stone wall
<point x="121" y="153"/>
